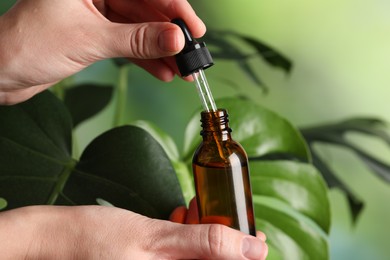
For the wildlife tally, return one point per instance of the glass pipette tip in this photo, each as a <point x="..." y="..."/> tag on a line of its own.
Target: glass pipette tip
<point x="204" y="91"/>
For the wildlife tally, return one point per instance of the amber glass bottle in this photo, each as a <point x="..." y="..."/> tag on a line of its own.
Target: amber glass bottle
<point x="220" y="167"/>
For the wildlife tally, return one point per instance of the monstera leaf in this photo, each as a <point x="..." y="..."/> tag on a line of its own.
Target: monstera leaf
<point x="240" y="48"/>
<point x="259" y="130"/>
<point x="292" y="208"/>
<point x="290" y="197"/>
<point x="336" y="134"/>
<point x="125" y="166"/>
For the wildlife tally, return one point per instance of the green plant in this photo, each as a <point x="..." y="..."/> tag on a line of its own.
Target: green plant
<point x="229" y="45"/>
<point x="127" y="167"/>
<point x="143" y="171"/>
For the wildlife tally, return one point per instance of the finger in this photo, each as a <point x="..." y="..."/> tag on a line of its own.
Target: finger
<point x="116" y="17"/>
<point x="137" y="11"/>
<point x="100" y="5"/>
<point x="188" y="78"/>
<point x="261" y="235"/>
<point x="210" y="242"/>
<point x="157" y="68"/>
<point x="180" y="9"/>
<point x="178" y="215"/>
<point x="164" y="68"/>
<point x="192" y="214"/>
<point x="171" y="62"/>
<point x="142" y="41"/>
<point x="158" y="11"/>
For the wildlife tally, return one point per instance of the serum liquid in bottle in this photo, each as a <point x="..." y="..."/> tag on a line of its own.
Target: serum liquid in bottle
<point x="221" y="174"/>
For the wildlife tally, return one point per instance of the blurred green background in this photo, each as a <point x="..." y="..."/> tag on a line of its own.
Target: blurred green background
<point x="341" y="55"/>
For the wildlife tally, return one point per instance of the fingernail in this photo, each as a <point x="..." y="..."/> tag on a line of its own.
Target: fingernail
<point x="251" y="248"/>
<point x="168" y="42"/>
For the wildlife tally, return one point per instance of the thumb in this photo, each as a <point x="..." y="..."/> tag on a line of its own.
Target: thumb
<point x="143" y="40"/>
<point x="213" y="242"/>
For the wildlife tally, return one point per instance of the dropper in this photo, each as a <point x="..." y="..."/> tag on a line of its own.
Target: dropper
<point x="193" y="60"/>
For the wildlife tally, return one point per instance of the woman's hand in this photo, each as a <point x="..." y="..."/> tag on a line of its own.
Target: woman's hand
<point x="191" y="216"/>
<point x="44" y="41"/>
<point x="96" y="232"/>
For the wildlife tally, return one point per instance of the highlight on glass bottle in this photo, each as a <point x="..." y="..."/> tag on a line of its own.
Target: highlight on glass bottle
<point x="221" y="174"/>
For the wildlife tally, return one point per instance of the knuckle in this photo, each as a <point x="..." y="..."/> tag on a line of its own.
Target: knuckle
<point x="137" y="41"/>
<point x="215" y="239"/>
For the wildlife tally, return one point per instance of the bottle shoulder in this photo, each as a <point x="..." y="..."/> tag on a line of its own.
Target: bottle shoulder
<point x="221" y="152"/>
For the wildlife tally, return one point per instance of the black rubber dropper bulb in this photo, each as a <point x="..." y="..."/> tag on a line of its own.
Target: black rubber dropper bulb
<point x="192" y="60"/>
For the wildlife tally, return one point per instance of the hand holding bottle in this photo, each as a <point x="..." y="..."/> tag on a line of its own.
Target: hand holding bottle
<point x="96" y="232"/>
<point x="191" y="216"/>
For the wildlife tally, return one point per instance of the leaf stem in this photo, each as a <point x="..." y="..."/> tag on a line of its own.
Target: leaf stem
<point x="62" y="179"/>
<point x="75" y="146"/>
<point x="121" y="96"/>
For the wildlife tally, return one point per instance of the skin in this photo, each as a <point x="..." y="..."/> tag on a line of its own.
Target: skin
<point x="35" y="53"/>
<point x="191" y="216"/>
<point x="45" y="41"/>
<point x="97" y="232"/>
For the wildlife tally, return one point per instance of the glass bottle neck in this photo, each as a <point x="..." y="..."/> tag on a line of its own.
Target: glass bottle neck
<point x="215" y="125"/>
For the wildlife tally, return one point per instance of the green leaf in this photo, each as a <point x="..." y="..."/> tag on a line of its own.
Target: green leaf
<point x="370" y="126"/>
<point x="125" y="167"/>
<point x="290" y="198"/>
<point x="225" y="43"/>
<point x="355" y="203"/>
<point x="260" y="131"/>
<point x="297" y="184"/>
<point x="292" y="208"/>
<point x="161" y="137"/>
<point x="86" y="100"/>
<point x="35" y="147"/>
<point x="226" y="49"/>
<point x="252" y="75"/>
<point x="334" y="133"/>
<point x="184" y="174"/>
<point x="291" y="234"/>
<point x="380" y="168"/>
<point x="222" y="47"/>
<point x="3" y="203"/>
<point x="182" y="171"/>
<point x="128" y="168"/>
<point x="270" y="55"/>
